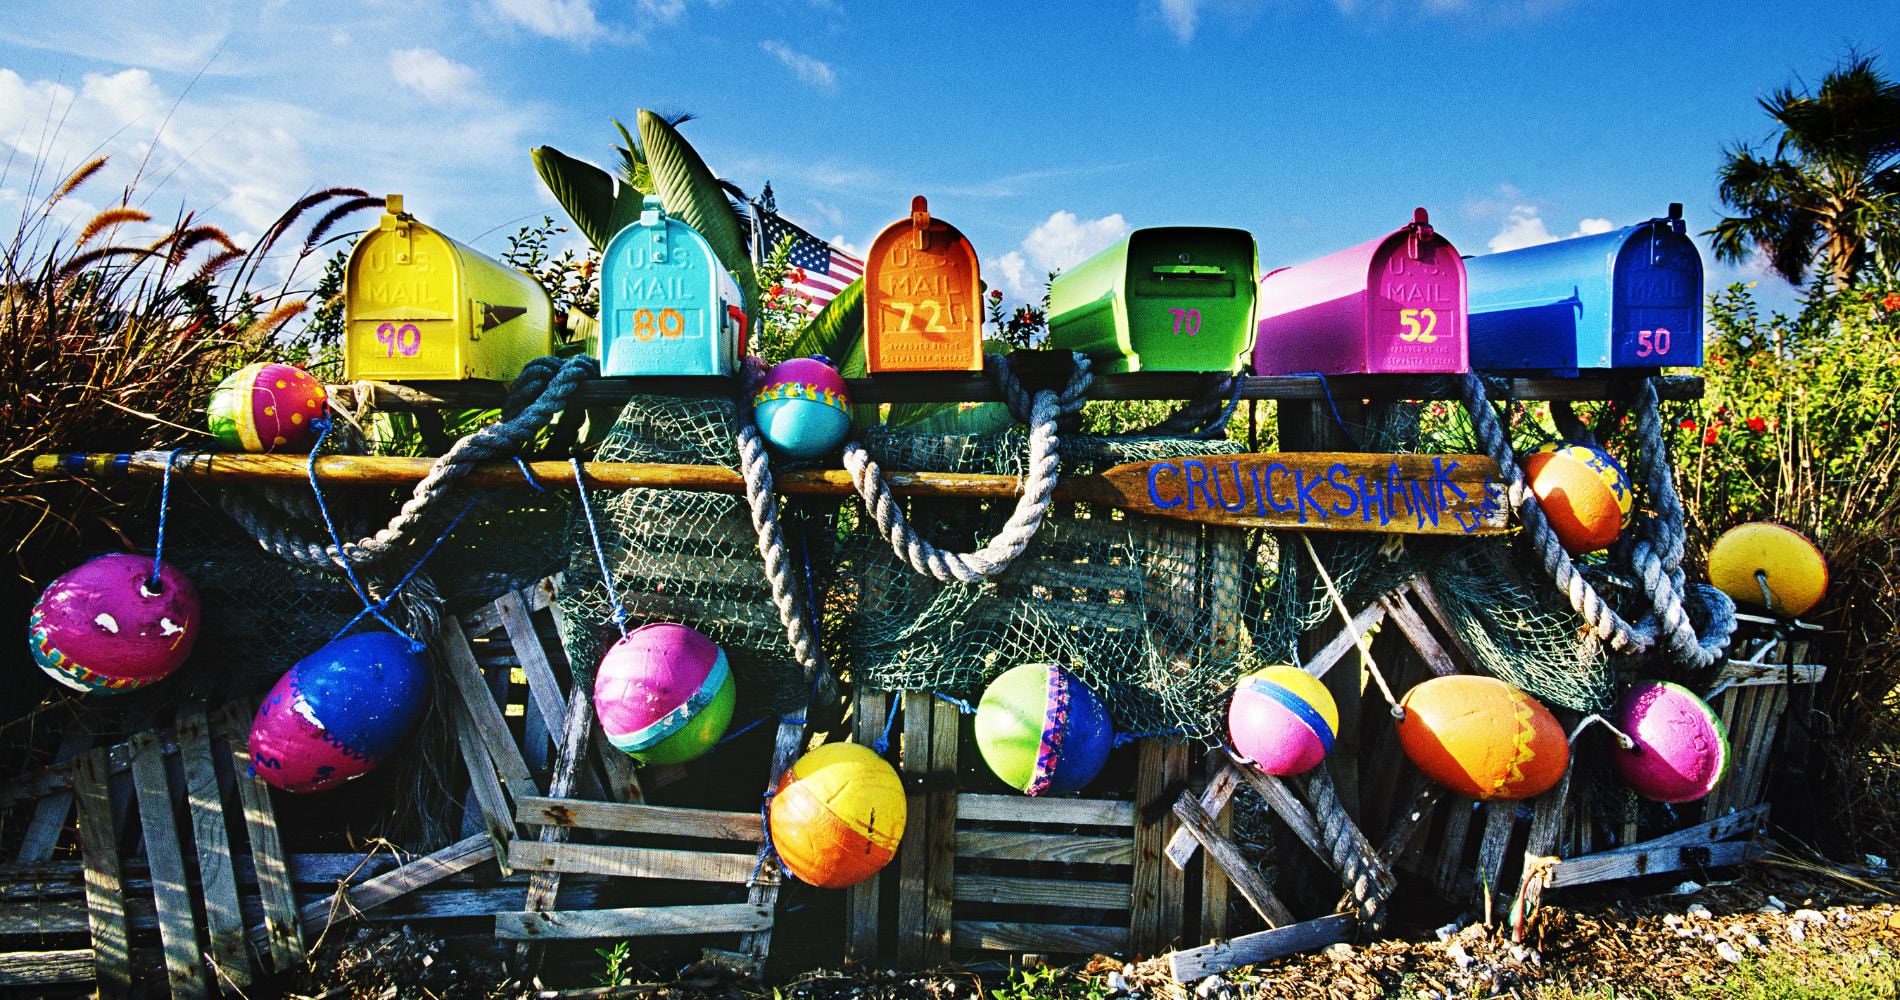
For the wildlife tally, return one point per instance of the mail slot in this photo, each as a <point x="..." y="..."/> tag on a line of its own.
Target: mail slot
<point x="1631" y="298"/>
<point x="1169" y="299"/>
<point x="1394" y="304"/>
<point x="667" y="306"/>
<point x="418" y="305"/>
<point x="922" y="311"/>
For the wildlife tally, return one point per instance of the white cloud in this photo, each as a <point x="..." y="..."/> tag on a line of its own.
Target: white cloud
<point x="570" y="20"/>
<point x="1524" y="226"/>
<point x="1591" y="227"/>
<point x="1182" y="17"/>
<point x="431" y="74"/>
<point x="806" y="68"/>
<point x="847" y="246"/>
<point x="1058" y="243"/>
<point x="664" y="11"/>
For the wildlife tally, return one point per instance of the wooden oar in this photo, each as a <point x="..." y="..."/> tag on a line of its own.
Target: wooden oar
<point x="1312" y="491"/>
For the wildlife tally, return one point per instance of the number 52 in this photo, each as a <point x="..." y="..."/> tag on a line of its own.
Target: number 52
<point x="1419" y="326"/>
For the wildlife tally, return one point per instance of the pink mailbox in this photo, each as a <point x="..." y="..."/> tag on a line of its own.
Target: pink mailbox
<point x="1394" y="304"/>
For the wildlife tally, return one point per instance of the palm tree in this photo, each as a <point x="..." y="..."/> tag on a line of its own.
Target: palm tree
<point x="1829" y="194"/>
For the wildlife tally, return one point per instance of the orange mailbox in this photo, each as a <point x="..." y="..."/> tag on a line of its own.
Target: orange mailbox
<point x="922" y="311"/>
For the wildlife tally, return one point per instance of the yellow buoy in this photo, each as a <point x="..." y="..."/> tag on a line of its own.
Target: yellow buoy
<point x="838" y="815"/>
<point x="1789" y="565"/>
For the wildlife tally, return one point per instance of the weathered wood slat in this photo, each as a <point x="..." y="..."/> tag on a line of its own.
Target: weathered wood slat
<point x="482" y="712"/>
<point x="1252" y="887"/>
<point x="56" y="778"/>
<point x="484" y="785"/>
<point x="543" y="689"/>
<point x="913" y="851"/>
<point x="633" y="922"/>
<point x="577" y="725"/>
<point x="1043" y="939"/>
<point x="49" y="814"/>
<point x="430" y="868"/>
<point x="941" y="803"/>
<point x="1066" y="812"/>
<point x="217" y="879"/>
<point x="871" y="709"/>
<point x="762" y="894"/>
<point x="282" y="931"/>
<point x="1750" y="673"/>
<point x="177" y="926"/>
<point x="1630" y="864"/>
<point x="1214" y="799"/>
<point x="105" y="891"/>
<point x="1344" y="641"/>
<point x="1547" y="816"/>
<point x="1734" y="824"/>
<point x="45" y="968"/>
<point x="1500" y="820"/>
<point x="1194" y="964"/>
<point x="631" y="862"/>
<point x="1025" y="891"/>
<point x="1070" y="847"/>
<point x="639" y="818"/>
<point x="1160" y="889"/>
<point x="1452" y="845"/>
<point x="1436" y="659"/>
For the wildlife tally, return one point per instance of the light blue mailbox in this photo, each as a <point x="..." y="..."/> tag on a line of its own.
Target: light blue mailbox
<point x="1631" y="298"/>
<point x="667" y="306"/>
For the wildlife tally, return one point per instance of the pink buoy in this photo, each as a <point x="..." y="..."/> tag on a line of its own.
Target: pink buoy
<point x="339" y="712"/>
<point x="102" y="626"/>
<point x="664" y="694"/>
<point x="1681" y="750"/>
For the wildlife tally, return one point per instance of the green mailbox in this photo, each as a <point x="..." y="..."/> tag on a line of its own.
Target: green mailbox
<point x="1170" y="299"/>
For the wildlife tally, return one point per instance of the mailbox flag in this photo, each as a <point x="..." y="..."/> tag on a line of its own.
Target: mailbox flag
<point x="827" y="269"/>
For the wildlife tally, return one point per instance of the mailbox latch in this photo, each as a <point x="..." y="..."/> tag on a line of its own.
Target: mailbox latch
<point x="920" y="222"/>
<point x="653" y="217"/>
<point x="397" y="221"/>
<point x="1418" y="235"/>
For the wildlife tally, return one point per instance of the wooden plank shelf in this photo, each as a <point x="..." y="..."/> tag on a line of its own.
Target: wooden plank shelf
<point x="950" y="387"/>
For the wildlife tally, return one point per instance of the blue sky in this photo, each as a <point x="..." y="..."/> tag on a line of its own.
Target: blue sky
<point x="1041" y="130"/>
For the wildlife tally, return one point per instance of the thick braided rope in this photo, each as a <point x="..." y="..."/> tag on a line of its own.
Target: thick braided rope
<point x="1369" y="880"/>
<point x="1043" y="413"/>
<point x="1203" y="417"/>
<point x="1604" y="622"/>
<point x="534" y="400"/>
<point x="755" y="466"/>
<point x="1657" y="552"/>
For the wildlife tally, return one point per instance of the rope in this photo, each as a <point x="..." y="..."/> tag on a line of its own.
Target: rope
<point x="534" y="399"/>
<point x="883" y="742"/>
<point x="155" y="586"/>
<point x="755" y="465"/>
<point x="1044" y="413"/>
<point x="1368" y="879"/>
<point x="415" y="645"/>
<point x="962" y="706"/>
<point x="1358" y="638"/>
<point x="1334" y="406"/>
<point x="1623" y="739"/>
<point x="1204" y="417"/>
<point x="600" y="552"/>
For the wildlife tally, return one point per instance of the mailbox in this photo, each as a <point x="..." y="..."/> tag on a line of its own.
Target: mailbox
<point x="922" y="308"/>
<point x="418" y="305"/>
<point x="1394" y="304"/>
<point x="1631" y="298"/>
<point x="1171" y="299"/>
<point x="667" y="306"/>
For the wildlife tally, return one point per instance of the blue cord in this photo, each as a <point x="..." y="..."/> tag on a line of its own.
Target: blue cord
<point x="750" y="726"/>
<point x="329" y="524"/>
<point x="1341" y="421"/>
<point x="600" y="554"/>
<point x="962" y="706"/>
<point x="1123" y="739"/>
<point x="164" y="507"/>
<point x="529" y="476"/>
<point x="884" y="742"/>
<point x="414" y="645"/>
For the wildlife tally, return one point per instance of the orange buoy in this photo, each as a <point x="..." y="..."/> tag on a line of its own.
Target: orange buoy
<point x="1789" y="565"/>
<point x="1483" y="738"/>
<point x="838" y="815"/>
<point x="1583" y="492"/>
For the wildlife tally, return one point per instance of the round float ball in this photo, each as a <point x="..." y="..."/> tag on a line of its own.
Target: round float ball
<point x="1583" y="491"/>
<point x="1283" y="719"/>
<point x="837" y="816"/>
<point x="339" y="712"/>
<point x="266" y="407"/>
<point x="1681" y="750"/>
<point x="664" y="694"/>
<point x="802" y="408"/>
<point x="1042" y="730"/>
<point x="103" y="626"/>
<point x="1482" y="738"/>
<point x="1791" y="565"/>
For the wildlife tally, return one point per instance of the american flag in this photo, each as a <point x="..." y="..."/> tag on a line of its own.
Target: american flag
<point x="827" y="270"/>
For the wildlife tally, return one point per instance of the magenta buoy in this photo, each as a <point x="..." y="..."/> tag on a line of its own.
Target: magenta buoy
<point x="1681" y="750"/>
<point x="339" y="712"/>
<point x="102" y="626"/>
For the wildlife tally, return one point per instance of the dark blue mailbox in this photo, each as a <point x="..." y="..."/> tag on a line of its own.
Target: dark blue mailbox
<point x="1631" y="298"/>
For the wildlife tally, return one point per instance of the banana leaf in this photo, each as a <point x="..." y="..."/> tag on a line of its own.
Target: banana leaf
<point x="836" y="327"/>
<point x="692" y="195"/>
<point x="599" y="204"/>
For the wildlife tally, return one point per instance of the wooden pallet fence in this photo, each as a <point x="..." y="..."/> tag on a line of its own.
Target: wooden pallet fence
<point x="1005" y="873"/>
<point x="1766" y="686"/>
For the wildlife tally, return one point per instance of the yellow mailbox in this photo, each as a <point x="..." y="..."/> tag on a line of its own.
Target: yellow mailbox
<point x="418" y="305"/>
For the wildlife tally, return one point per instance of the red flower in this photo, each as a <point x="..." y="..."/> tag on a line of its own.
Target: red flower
<point x="1757" y="424"/>
<point x="797" y="276"/>
<point x="1708" y="436"/>
<point x="1688" y="423"/>
<point x="1891" y="302"/>
<point x="775" y="291"/>
<point x="996" y="295"/>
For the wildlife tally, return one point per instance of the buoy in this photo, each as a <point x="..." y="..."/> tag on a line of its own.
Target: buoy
<point x="266" y="407"/>
<point x="1681" y="750"/>
<point x="1482" y="738"/>
<point x="100" y="626"/>
<point x="1583" y="491"/>
<point x="802" y="409"/>
<point x="664" y="694"/>
<point x="339" y="712"/>
<point x="1792" y="567"/>
<point x="1042" y="730"/>
<point x="1283" y="719"/>
<point x="837" y="816"/>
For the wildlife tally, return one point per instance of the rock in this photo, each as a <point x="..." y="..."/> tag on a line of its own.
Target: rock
<point x="1813" y="916"/>
<point x="1459" y="957"/>
<point x="1340" y="952"/>
<point x="1774" y="903"/>
<point x="1210" y="986"/>
<point x="1444" y="933"/>
<point x="1686" y="888"/>
<point x="1729" y="952"/>
<point x="1698" y="911"/>
<point x="1752" y="942"/>
<point x="1876" y="861"/>
<point x="1672" y="919"/>
<point x="1117" y="982"/>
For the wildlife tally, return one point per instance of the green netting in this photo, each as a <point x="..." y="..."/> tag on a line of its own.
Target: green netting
<point x="681" y="555"/>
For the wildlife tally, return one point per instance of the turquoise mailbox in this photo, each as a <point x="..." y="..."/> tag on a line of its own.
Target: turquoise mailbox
<point x="1631" y="298"/>
<point x="667" y="306"/>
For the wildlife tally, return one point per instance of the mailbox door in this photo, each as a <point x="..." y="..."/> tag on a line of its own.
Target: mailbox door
<point x="1190" y="297"/>
<point x="1544" y="308"/>
<point x="404" y="307"/>
<point x="660" y="304"/>
<point x="1416" y="314"/>
<point x="921" y="311"/>
<point x="1657" y="316"/>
